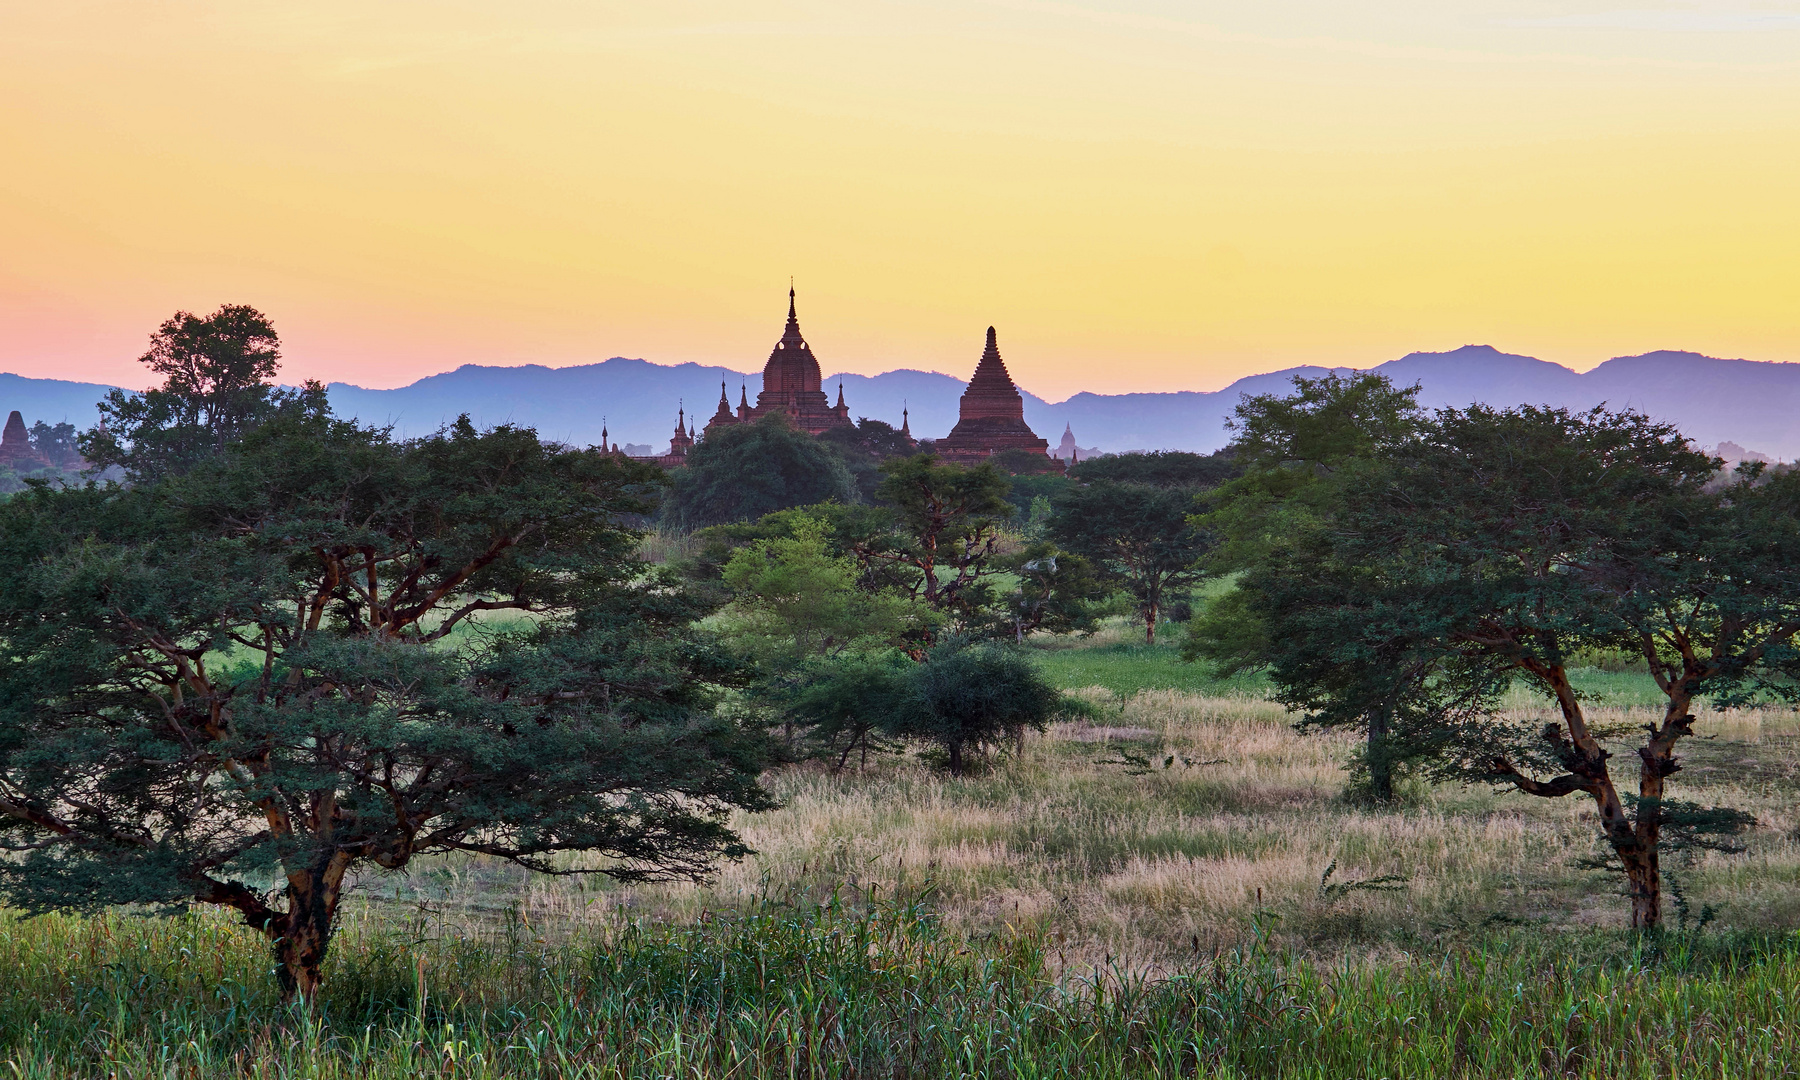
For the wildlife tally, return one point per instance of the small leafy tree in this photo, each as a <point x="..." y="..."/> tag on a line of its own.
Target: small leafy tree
<point x="259" y="669"/>
<point x="940" y="536"/>
<point x="967" y="697"/>
<point x="850" y="703"/>
<point x="1056" y="591"/>
<point x="794" y="600"/>
<point x="1140" y="536"/>
<point x="216" y="388"/>
<point x="1296" y="453"/>
<point x="57" y="443"/>
<point x="741" y="472"/>
<point x="1499" y="545"/>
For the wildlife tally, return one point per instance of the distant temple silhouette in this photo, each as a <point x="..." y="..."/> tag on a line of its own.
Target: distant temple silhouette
<point x="16" y="451"/>
<point x="992" y="415"/>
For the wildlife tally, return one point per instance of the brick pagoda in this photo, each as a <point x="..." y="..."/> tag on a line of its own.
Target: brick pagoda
<point x="16" y="451"/>
<point x="992" y="415"/>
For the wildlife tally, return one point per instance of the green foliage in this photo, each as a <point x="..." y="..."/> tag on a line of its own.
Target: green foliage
<point x="1229" y="633"/>
<point x="940" y="543"/>
<point x="863" y="448"/>
<point x="1056" y="591"/>
<point x="1138" y="535"/>
<point x="1297" y="453"/>
<point x="1502" y="544"/>
<point x="1016" y="462"/>
<point x="744" y="471"/>
<point x="1159" y="468"/>
<point x="967" y="697"/>
<point x="216" y="388"/>
<point x="251" y="670"/>
<point x="1325" y="423"/>
<point x="1027" y="489"/>
<point x="964" y="697"/>
<point x="1294" y="452"/>
<point x="795" y="600"/>
<point x="849" y="704"/>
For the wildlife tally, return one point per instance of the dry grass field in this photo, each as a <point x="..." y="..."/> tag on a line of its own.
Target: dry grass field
<point x="1142" y="897"/>
<point x="1183" y="822"/>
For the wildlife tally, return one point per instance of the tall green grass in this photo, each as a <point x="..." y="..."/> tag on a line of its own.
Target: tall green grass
<point x="871" y="990"/>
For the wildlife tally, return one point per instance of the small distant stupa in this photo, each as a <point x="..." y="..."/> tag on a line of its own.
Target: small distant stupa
<point x="16" y="451"/>
<point x="992" y="415"/>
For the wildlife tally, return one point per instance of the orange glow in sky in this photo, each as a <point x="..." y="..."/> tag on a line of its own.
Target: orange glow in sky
<point x="1140" y="194"/>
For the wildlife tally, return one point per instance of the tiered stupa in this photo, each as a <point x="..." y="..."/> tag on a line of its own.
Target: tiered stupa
<point x="992" y="415"/>
<point x="790" y="387"/>
<point x="16" y="451"/>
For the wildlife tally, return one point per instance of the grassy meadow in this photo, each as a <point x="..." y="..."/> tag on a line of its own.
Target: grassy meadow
<point x="1181" y="889"/>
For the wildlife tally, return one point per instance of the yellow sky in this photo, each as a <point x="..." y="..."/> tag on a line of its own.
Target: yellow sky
<point x="1141" y="194"/>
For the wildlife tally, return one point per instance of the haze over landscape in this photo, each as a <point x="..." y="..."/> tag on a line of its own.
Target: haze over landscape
<point x="1713" y="400"/>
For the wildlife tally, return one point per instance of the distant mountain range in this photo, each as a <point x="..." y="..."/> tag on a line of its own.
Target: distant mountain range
<point x="1752" y="403"/>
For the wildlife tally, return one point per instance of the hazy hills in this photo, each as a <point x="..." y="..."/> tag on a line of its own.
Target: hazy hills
<point x="1755" y="404"/>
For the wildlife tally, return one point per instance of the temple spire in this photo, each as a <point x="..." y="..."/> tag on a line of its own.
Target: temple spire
<point x="905" y="423"/>
<point x="840" y="403"/>
<point x="791" y="338"/>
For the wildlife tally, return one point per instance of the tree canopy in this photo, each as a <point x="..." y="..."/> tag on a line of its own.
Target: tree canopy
<point x="940" y="537"/>
<point x="965" y="697"/>
<point x="1490" y="546"/>
<point x="216" y="387"/>
<point x="863" y="447"/>
<point x="794" y="600"/>
<point x="263" y="667"/>
<point x="1139" y="535"/>
<point x="743" y="471"/>
<point x="1158" y="468"/>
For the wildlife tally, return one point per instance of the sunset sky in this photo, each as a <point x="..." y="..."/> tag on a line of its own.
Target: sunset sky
<point x="1140" y="194"/>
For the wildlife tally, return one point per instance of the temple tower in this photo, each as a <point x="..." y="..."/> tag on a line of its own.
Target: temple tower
<point x="792" y="386"/>
<point x="992" y="415"/>
<point x="16" y="451"/>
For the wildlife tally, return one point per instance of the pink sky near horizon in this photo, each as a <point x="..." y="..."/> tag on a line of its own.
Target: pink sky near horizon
<point x="1140" y="194"/>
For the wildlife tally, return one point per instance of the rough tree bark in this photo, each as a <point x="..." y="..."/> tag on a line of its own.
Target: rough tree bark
<point x="1634" y="839"/>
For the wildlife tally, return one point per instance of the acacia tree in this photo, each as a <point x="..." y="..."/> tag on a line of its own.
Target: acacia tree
<point x="260" y="669"/>
<point x="216" y="373"/>
<point x="1296" y="452"/>
<point x="1139" y="535"/>
<point x="1494" y="546"/>
<point x="965" y="696"/>
<point x="1055" y="593"/>
<point x="938" y="537"/>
